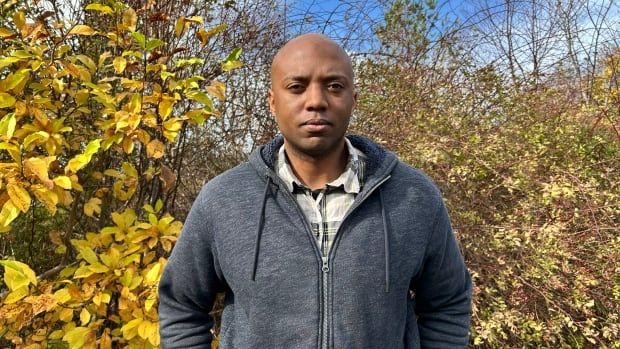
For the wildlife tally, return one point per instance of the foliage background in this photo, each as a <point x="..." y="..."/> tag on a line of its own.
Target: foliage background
<point x="112" y="116"/>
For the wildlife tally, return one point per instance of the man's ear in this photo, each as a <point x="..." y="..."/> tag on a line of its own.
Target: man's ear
<point x="271" y="101"/>
<point x="354" y="98"/>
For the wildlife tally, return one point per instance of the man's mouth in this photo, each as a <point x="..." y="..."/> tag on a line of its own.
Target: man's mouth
<point x="316" y="122"/>
<point x="316" y="125"/>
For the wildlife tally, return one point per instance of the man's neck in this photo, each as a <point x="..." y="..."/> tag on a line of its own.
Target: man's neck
<point x="316" y="172"/>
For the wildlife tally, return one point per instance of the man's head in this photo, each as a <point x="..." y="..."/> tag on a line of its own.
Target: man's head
<point x="312" y="94"/>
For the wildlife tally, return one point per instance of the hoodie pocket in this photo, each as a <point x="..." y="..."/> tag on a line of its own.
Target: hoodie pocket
<point x="412" y="335"/>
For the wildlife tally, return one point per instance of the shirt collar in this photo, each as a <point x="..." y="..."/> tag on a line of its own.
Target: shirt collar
<point x="351" y="178"/>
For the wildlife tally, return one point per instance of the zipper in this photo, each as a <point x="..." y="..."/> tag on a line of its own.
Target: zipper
<point x="325" y="269"/>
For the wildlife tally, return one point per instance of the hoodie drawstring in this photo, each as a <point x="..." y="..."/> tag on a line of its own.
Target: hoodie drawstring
<point x="261" y="223"/>
<point x="386" y="243"/>
<point x="259" y="231"/>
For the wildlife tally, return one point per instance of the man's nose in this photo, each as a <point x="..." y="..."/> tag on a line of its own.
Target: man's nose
<point x="316" y="100"/>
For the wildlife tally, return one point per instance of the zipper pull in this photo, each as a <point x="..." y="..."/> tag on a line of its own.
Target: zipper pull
<point x="325" y="267"/>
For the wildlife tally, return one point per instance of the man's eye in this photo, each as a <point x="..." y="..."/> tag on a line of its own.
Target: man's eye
<point x="335" y="87"/>
<point x="295" y="87"/>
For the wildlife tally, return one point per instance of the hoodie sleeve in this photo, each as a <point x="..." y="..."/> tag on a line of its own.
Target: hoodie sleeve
<point x="443" y="292"/>
<point x="189" y="284"/>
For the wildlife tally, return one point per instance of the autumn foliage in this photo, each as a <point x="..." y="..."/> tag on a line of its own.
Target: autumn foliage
<point x="87" y="113"/>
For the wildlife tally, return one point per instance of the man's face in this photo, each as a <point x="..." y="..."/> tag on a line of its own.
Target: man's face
<point x="312" y="96"/>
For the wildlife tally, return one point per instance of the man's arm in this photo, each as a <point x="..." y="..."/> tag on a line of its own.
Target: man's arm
<point x="189" y="284"/>
<point x="443" y="292"/>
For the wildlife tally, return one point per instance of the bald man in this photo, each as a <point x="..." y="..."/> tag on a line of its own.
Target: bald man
<point x="320" y="240"/>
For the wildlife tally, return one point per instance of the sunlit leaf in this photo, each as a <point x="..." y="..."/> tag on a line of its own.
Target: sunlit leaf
<point x="130" y="19"/>
<point x="19" y="196"/>
<point x="99" y="8"/>
<point x="8" y="214"/>
<point x="78" y="336"/>
<point x="84" y="317"/>
<point x="119" y="64"/>
<point x="81" y="160"/>
<point x="82" y="29"/>
<point x="92" y="206"/>
<point x="155" y="149"/>
<point x="140" y="39"/>
<point x="6" y="100"/>
<point x="63" y="182"/>
<point x="17" y="274"/>
<point x="7" y="125"/>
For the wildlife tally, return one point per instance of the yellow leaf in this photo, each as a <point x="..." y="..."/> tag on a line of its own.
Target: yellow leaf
<point x="100" y="8"/>
<point x="230" y="65"/>
<point x="7" y="125"/>
<point x="19" y="18"/>
<point x="204" y="35"/>
<point x="217" y="89"/>
<point x="62" y="296"/>
<point x="81" y="160"/>
<point x="128" y="145"/>
<point x="13" y="151"/>
<point x="155" y="149"/>
<point x="16" y="295"/>
<point x="5" y="33"/>
<point x="88" y="254"/>
<point x="119" y="64"/>
<point x="98" y="268"/>
<point x="152" y="276"/>
<point x="66" y="315"/>
<point x="92" y="206"/>
<point x="77" y="337"/>
<point x="84" y="317"/>
<point x="19" y="196"/>
<point x="41" y="303"/>
<point x="180" y="27"/>
<point x="195" y="19"/>
<point x="38" y="167"/>
<point x="8" y="214"/>
<point x="37" y="138"/>
<point x="56" y="334"/>
<point x="63" y="181"/>
<point x="150" y="301"/>
<point x="153" y="333"/>
<point x="135" y="105"/>
<point x="81" y="29"/>
<point x="130" y="329"/>
<point x="82" y="272"/>
<point x="48" y="198"/>
<point x="17" y="274"/>
<point x="130" y="19"/>
<point x="165" y="107"/>
<point x="106" y="341"/>
<point x="6" y="100"/>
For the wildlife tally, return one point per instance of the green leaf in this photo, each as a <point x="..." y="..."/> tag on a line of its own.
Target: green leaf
<point x="234" y="55"/>
<point x="200" y="97"/>
<point x="153" y="44"/>
<point x="140" y="39"/>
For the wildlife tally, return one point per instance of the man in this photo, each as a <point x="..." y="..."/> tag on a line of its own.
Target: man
<point x="319" y="241"/>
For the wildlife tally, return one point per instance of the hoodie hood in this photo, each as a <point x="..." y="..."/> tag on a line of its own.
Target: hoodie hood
<point x="379" y="161"/>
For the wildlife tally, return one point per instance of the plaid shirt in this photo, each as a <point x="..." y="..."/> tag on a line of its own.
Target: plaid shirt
<point x="325" y="208"/>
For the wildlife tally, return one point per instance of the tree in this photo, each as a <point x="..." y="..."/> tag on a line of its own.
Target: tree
<point x="87" y="115"/>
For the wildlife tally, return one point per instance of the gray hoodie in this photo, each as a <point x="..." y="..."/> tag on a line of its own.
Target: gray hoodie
<point x="395" y="277"/>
